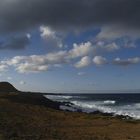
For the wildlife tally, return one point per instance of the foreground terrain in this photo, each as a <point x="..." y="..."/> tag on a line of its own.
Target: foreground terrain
<point x="28" y="116"/>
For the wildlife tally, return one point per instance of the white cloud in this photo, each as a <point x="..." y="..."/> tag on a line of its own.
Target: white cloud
<point x="28" y="35"/>
<point x="112" y="38"/>
<point x="9" y="78"/>
<point x="51" y="37"/>
<point x="3" y="67"/>
<point x="90" y="48"/>
<point x="80" y="50"/>
<point x="129" y="43"/>
<point x="31" y="68"/>
<point x="36" y="63"/>
<point x="103" y="47"/>
<point x="14" y="61"/>
<point x="46" y="32"/>
<point x="126" y="62"/>
<point x="116" y="31"/>
<point x="57" y="57"/>
<point x="81" y="73"/>
<point x="99" y="60"/>
<point x="112" y="47"/>
<point x="84" y="62"/>
<point x="22" y="82"/>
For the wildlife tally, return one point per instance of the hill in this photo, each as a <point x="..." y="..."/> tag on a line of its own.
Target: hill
<point x="7" y="87"/>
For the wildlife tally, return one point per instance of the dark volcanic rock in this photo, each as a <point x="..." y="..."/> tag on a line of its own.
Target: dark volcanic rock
<point x="7" y="87"/>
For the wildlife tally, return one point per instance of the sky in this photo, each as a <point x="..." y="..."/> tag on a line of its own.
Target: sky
<point x="83" y="46"/>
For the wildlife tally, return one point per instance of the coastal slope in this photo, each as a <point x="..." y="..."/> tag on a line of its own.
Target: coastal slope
<point x="7" y="87"/>
<point x="26" y="116"/>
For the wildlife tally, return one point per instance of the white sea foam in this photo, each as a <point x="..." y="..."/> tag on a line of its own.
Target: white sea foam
<point x="106" y="106"/>
<point x="109" y="102"/>
<point x="58" y="97"/>
<point x="125" y="110"/>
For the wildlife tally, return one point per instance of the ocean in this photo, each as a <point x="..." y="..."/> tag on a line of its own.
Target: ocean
<point x="116" y="104"/>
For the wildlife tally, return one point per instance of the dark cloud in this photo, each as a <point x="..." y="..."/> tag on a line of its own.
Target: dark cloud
<point x="22" y="14"/>
<point x="15" y="43"/>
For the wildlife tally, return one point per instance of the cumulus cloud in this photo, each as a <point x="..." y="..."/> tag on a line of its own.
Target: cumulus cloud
<point x="117" y="31"/>
<point x="15" y="43"/>
<point x="128" y="42"/>
<point x="28" y="35"/>
<point x="14" y="61"/>
<point x="81" y="73"/>
<point x="31" y="68"/>
<point x="80" y="50"/>
<point x="103" y="46"/>
<point x="40" y="63"/>
<point x="22" y="82"/>
<point x="83" y="51"/>
<point x="99" y="60"/>
<point x="3" y="67"/>
<point x="112" y="47"/>
<point x="51" y="37"/>
<point x="36" y="63"/>
<point x="126" y="62"/>
<point x="84" y="62"/>
<point x="9" y="78"/>
<point x="91" y="48"/>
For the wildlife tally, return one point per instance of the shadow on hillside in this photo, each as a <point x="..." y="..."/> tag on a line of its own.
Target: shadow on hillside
<point x="32" y="99"/>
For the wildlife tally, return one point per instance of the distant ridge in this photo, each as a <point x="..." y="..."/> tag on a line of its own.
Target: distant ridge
<point x="7" y="87"/>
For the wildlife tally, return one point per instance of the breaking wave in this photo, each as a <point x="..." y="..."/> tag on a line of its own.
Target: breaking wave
<point x="109" y="102"/>
<point x="58" y="97"/>
<point x="114" y="107"/>
<point x="132" y="110"/>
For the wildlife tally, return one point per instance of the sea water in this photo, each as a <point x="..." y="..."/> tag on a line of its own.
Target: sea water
<point x="116" y="104"/>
